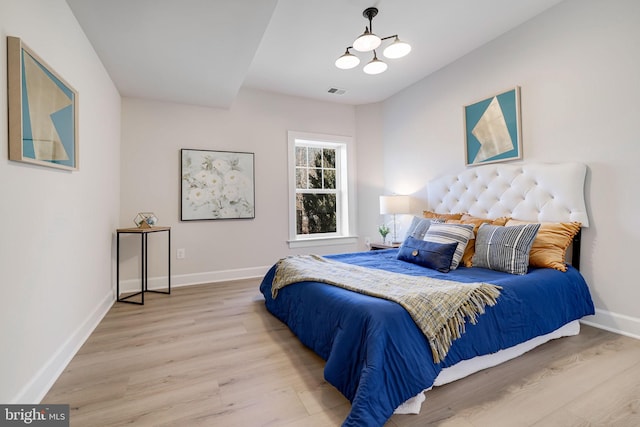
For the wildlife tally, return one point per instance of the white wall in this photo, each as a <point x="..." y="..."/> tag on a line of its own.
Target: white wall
<point x="56" y="246"/>
<point x="578" y="65"/>
<point x="369" y="119"/>
<point x="153" y="134"/>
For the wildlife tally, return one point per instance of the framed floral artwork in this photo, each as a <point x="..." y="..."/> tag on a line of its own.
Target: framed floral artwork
<point x="217" y="185"/>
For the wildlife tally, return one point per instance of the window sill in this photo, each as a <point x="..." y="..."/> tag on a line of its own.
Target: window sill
<point x="323" y="241"/>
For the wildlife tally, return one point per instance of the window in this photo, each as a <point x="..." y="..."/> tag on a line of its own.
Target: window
<point x="319" y="198"/>
<point x="316" y="190"/>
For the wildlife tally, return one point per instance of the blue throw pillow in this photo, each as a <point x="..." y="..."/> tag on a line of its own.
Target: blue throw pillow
<point x="436" y="256"/>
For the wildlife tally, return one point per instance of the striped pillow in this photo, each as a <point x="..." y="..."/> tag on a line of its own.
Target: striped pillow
<point x="451" y="233"/>
<point x="504" y="248"/>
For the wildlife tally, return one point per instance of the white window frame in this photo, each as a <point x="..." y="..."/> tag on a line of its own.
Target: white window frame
<point x="343" y="203"/>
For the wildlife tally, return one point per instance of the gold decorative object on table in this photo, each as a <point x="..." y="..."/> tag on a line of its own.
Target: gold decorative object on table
<point x="145" y="219"/>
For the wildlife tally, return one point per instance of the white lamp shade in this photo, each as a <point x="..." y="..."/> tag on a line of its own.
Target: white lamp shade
<point x="395" y="204"/>
<point x="397" y="49"/>
<point x="375" y="67"/>
<point x="366" y="42"/>
<point x="347" y="61"/>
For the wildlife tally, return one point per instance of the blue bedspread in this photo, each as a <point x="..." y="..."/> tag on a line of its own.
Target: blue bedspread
<point x="376" y="355"/>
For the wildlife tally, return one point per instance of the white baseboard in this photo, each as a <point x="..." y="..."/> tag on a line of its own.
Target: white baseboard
<point x="614" y="322"/>
<point x="133" y="285"/>
<point x="35" y="390"/>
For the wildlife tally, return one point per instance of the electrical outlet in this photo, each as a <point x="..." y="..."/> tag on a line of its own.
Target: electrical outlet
<point x="181" y="253"/>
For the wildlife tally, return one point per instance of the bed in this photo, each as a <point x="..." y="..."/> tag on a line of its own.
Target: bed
<point x="379" y="357"/>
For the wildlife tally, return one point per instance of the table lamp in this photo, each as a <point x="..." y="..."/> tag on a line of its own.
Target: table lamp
<point x="393" y="205"/>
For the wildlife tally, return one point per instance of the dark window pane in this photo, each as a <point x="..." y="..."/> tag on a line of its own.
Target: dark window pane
<point x="316" y="213"/>
<point x="315" y="178"/>
<point x="329" y="158"/>
<point x="330" y="179"/>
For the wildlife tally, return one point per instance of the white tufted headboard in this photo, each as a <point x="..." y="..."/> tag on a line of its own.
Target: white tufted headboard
<point x="529" y="191"/>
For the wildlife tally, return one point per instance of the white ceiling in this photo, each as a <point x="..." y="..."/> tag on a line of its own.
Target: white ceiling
<point x="202" y="52"/>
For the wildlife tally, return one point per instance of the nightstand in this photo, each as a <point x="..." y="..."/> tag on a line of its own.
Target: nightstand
<point x="376" y="246"/>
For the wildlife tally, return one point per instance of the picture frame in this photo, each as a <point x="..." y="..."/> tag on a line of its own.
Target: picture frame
<point x="43" y="111"/>
<point x="216" y="185"/>
<point x="492" y="129"/>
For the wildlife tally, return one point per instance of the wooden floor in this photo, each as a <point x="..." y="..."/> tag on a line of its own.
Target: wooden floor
<point x="211" y="355"/>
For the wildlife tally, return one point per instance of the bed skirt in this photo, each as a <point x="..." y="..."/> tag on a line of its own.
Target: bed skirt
<point x="467" y="367"/>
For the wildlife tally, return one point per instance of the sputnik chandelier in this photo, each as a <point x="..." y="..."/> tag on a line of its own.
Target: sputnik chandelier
<point x="368" y="42"/>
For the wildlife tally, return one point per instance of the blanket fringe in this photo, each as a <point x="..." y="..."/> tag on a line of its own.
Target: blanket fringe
<point x="454" y="327"/>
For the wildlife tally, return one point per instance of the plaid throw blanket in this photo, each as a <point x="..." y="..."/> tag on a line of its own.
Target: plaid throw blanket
<point x="439" y="307"/>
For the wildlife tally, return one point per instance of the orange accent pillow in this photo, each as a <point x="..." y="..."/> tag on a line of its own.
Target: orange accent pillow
<point x="549" y="248"/>
<point x="442" y="216"/>
<point x="476" y="222"/>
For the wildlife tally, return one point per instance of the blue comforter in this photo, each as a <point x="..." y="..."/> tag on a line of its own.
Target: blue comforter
<point x="376" y="355"/>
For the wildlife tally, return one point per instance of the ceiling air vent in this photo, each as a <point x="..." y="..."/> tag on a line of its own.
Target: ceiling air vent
<point x="336" y="91"/>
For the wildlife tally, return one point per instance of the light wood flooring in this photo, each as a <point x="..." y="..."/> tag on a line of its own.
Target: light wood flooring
<point x="211" y="355"/>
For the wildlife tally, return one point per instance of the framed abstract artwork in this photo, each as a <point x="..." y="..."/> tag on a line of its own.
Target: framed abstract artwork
<point x="492" y="129"/>
<point x="217" y="185"/>
<point x="43" y="111"/>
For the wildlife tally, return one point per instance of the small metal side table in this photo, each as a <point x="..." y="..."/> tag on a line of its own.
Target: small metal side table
<point x="144" y="233"/>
